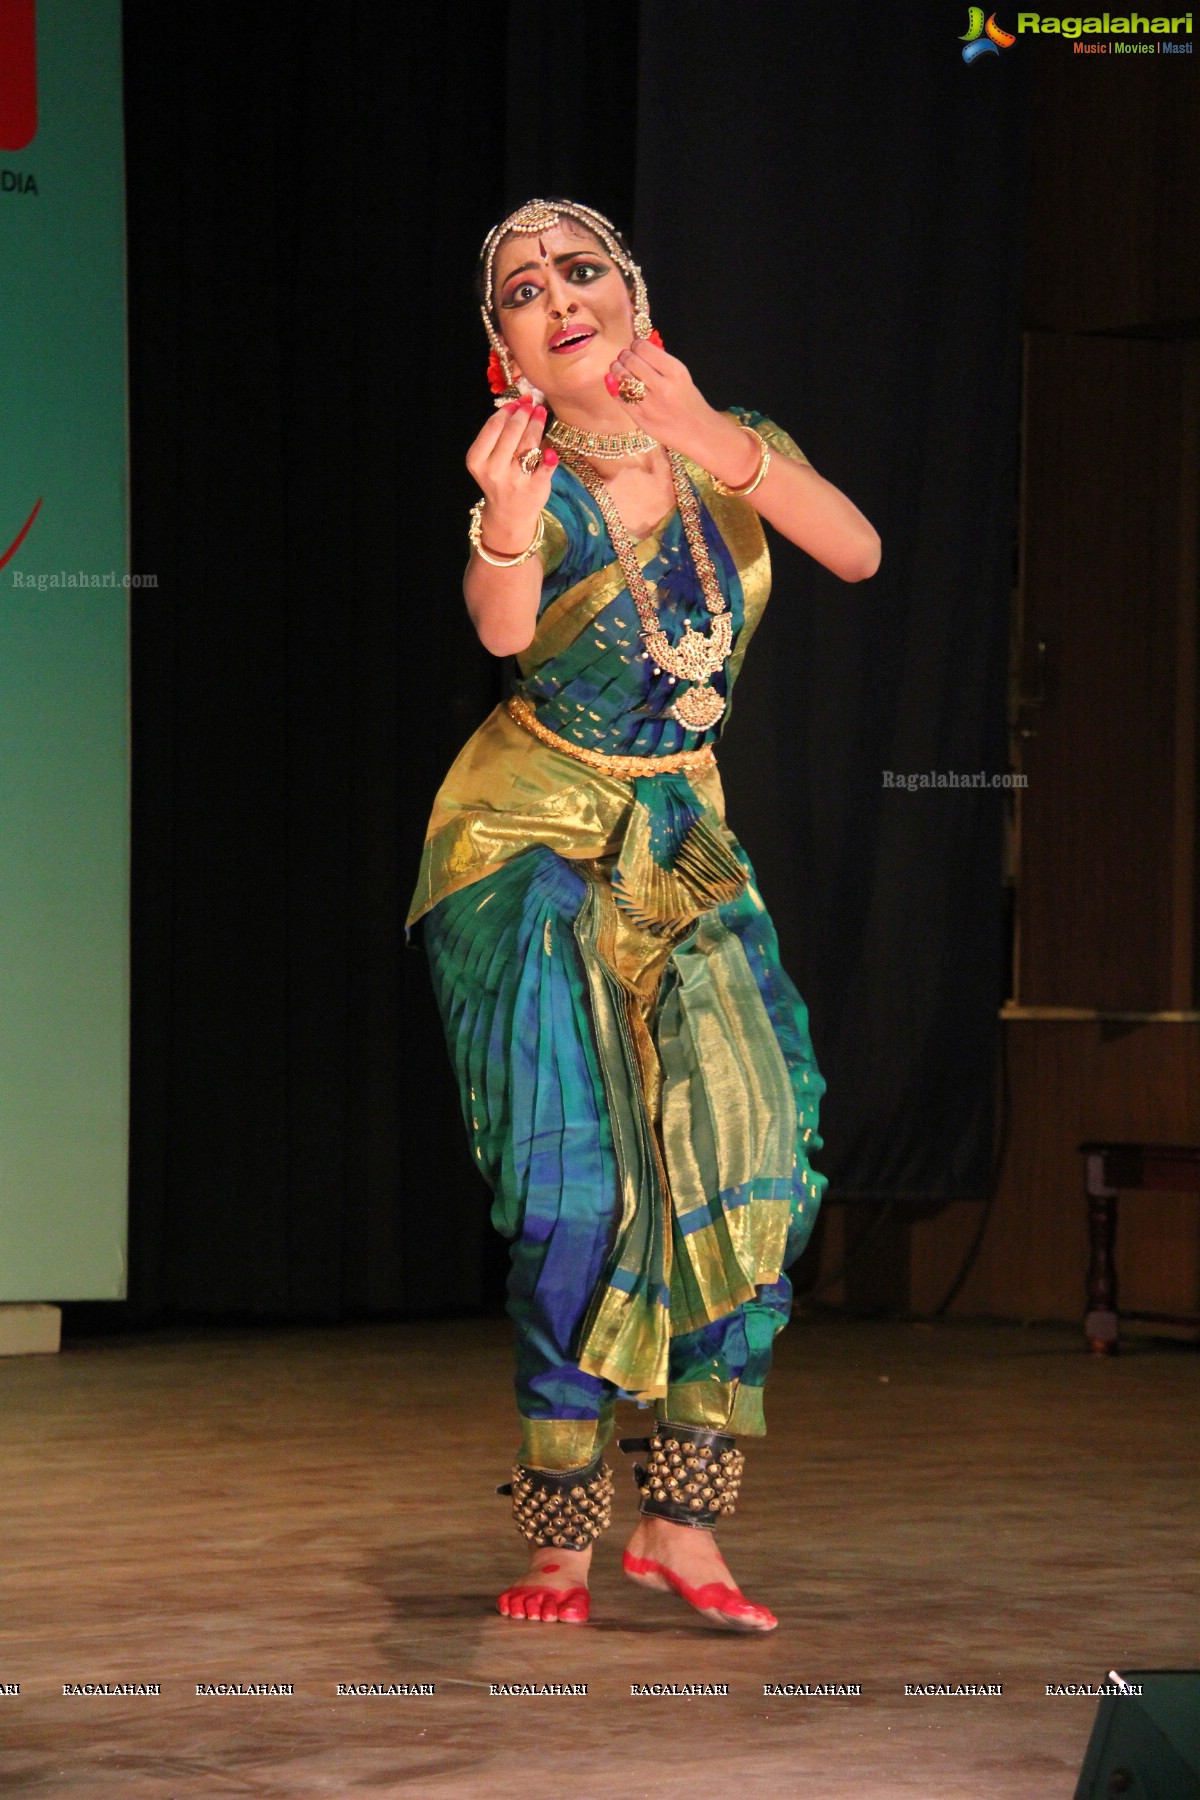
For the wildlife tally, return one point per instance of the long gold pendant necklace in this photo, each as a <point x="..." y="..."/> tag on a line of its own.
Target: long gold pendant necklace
<point x="697" y="655"/>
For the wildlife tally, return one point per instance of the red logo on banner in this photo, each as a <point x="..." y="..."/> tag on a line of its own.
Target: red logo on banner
<point x="18" y="74"/>
<point x="20" y="537"/>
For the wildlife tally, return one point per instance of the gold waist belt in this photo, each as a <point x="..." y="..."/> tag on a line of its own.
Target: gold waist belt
<point x="625" y="768"/>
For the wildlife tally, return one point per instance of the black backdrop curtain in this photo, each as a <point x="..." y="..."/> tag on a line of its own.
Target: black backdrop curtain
<point x="829" y="218"/>
<point x="835" y="227"/>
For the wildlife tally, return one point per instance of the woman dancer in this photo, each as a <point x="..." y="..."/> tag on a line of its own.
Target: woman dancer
<point x="636" y="1073"/>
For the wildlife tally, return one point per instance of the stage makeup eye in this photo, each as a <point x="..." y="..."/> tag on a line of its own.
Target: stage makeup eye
<point x="522" y="294"/>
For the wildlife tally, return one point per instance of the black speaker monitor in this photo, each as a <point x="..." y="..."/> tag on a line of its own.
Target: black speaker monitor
<point x="1145" y="1742"/>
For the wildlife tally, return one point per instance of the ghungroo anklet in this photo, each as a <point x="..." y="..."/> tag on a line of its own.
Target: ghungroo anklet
<point x="693" y="1476"/>
<point x="568" y="1508"/>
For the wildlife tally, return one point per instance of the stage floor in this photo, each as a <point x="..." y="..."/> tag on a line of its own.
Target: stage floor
<point x="965" y="1504"/>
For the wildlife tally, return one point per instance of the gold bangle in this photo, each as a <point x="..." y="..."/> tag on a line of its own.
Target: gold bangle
<point x="475" y="534"/>
<point x="764" y="463"/>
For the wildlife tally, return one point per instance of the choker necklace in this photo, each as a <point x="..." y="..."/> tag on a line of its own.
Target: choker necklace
<point x="698" y="655"/>
<point x="607" y="445"/>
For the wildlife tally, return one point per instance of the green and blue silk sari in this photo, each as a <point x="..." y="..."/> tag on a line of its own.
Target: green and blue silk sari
<point x="635" y="1068"/>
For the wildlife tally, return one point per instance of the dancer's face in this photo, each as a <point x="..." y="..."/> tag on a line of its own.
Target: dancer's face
<point x="563" y="309"/>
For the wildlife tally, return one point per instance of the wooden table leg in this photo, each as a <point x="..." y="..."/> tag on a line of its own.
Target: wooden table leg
<point x="1100" y="1325"/>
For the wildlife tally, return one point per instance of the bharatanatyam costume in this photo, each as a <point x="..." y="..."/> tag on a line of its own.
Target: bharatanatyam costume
<point x="635" y="1069"/>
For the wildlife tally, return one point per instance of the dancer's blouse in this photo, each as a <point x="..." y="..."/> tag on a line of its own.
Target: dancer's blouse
<point x="587" y="677"/>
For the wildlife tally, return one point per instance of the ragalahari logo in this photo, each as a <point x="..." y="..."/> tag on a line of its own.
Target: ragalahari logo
<point x="18" y="74"/>
<point x="982" y="39"/>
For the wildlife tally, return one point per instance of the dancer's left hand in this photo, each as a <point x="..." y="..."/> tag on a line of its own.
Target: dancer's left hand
<point x="674" y="410"/>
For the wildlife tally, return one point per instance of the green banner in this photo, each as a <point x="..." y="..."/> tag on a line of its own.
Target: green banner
<point x="64" y="655"/>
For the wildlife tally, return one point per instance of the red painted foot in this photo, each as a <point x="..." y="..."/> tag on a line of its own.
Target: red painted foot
<point x="549" y="1605"/>
<point x="715" y="1601"/>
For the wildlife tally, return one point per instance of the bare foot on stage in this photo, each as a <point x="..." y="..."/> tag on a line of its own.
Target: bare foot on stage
<point x="684" y="1559"/>
<point x="555" y="1589"/>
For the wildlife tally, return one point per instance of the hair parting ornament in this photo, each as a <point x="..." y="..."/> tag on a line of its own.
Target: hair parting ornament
<point x="530" y="220"/>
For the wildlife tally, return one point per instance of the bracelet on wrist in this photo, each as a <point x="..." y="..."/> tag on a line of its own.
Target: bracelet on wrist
<point x="475" y="534"/>
<point x="764" y="463"/>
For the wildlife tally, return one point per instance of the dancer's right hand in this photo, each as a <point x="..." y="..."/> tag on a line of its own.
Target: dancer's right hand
<point x="513" y="499"/>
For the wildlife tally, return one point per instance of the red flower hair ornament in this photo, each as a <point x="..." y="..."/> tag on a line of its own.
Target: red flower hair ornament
<point x="495" y="374"/>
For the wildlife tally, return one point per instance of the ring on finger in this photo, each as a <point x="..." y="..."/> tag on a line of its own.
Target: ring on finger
<point x="631" y="390"/>
<point x="530" y="459"/>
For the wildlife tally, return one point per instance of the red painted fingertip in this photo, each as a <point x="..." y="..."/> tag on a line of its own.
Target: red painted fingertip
<point x="612" y="383"/>
<point x="538" y="413"/>
<point x="526" y="403"/>
<point x="511" y="406"/>
<point x="550" y="458"/>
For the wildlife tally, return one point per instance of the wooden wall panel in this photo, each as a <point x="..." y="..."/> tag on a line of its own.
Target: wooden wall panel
<point x="1070" y="1081"/>
<point x="1106" y="830"/>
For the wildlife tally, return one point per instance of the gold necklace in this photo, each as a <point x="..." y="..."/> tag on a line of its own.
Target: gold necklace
<point x="607" y="445"/>
<point x="697" y="655"/>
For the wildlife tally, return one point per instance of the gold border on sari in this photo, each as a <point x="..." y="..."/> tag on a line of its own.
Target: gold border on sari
<point x="717" y="1406"/>
<point x="563" y="1443"/>
<point x="572" y="612"/>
